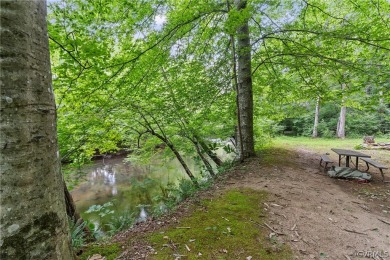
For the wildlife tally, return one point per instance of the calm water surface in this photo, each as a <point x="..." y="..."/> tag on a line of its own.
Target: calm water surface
<point x="130" y="187"/>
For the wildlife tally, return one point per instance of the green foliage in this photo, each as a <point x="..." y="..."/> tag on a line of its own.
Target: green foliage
<point x="359" y="147"/>
<point x="324" y="130"/>
<point x="227" y="164"/>
<point x="142" y="188"/>
<point x="359" y="122"/>
<point x="77" y="233"/>
<point x="264" y="130"/>
<point x="103" y="210"/>
<point x="186" y="189"/>
<point x="72" y="176"/>
<point x="121" y="77"/>
<point x="172" y="195"/>
<point x="119" y="222"/>
<point x="112" y="220"/>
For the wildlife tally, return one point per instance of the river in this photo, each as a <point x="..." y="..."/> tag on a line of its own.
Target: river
<point x="130" y="188"/>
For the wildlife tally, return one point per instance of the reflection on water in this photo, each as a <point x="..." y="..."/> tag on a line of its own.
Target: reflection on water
<point x="124" y="184"/>
<point x="107" y="174"/>
<point x="142" y="215"/>
<point x="129" y="188"/>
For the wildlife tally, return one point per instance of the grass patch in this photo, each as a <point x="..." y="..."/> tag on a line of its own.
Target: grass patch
<point x="228" y="227"/>
<point x="110" y="251"/>
<point x="324" y="145"/>
<point x="317" y="144"/>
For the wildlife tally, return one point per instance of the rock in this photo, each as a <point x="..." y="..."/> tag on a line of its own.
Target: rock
<point x="97" y="257"/>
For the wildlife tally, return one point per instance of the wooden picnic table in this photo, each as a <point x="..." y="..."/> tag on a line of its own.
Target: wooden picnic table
<point x="348" y="154"/>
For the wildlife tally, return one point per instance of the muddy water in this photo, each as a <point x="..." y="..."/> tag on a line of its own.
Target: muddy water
<point x="131" y="188"/>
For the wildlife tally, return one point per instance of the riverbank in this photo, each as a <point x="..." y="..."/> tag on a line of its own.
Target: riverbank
<point x="305" y="211"/>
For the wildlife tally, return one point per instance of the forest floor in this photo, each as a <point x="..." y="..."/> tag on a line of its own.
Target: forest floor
<point x="316" y="216"/>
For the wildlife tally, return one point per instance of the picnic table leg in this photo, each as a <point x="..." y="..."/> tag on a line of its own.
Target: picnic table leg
<point x="383" y="176"/>
<point x="347" y="161"/>
<point x="357" y="162"/>
<point x="339" y="160"/>
<point x="368" y="166"/>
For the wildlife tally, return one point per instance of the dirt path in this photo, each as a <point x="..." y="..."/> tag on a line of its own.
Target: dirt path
<point x="317" y="216"/>
<point x="320" y="217"/>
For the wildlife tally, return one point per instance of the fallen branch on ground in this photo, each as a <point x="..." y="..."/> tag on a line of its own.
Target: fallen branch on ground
<point x="353" y="231"/>
<point x="268" y="226"/>
<point x="295" y="225"/>
<point x="384" y="221"/>
<point x="273" y="230"/>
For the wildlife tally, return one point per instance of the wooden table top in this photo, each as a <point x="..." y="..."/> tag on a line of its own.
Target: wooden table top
<point x="350" y="153"/>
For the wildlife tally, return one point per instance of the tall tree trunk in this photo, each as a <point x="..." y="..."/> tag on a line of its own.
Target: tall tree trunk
<point x="245" y="95"/>
<point x="316" y="117"/>
<point x="237" y="130"/>
<point x="33" y="217"/>
<point x="343" y="112"/>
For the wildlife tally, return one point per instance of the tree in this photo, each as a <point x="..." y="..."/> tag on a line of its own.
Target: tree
<point x="343" y="112"/>
<point x="316" y="118"/>
<point x="109" y="54"/>
<point x="245" y="138"/>
<point x="34" y="224"/>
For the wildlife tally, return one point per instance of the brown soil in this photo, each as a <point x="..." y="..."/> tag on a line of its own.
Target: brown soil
<point x="317" y="216"/>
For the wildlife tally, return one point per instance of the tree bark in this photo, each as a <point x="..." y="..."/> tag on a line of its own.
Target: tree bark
<point x="343" y="112"/>
<point x="182" y="162"/>
<point x="316" y="117"/>
<point x="237" y="129"/>
<point x="245" y="95"/>
<point x="33" y="217"/>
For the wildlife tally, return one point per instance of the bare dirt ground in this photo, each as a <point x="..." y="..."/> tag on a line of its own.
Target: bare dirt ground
<point x="317" y="216"/>
<point x="320" y="217"/>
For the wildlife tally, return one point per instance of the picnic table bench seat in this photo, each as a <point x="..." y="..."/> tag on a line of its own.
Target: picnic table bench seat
<point x="325" y="158"/>
<point x="378" y="165"/>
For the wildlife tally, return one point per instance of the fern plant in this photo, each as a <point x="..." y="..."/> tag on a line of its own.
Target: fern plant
<point x="77" y="233"/>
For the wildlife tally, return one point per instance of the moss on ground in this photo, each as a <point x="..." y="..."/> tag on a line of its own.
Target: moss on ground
<point x="110" y="251"/>
<point x="227" y="227"/>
